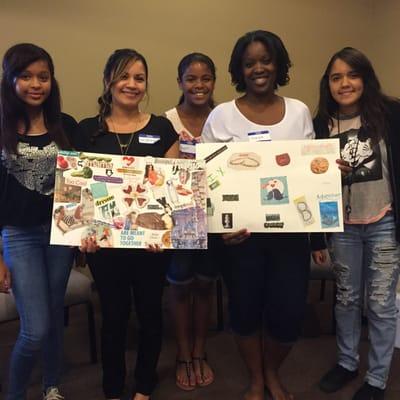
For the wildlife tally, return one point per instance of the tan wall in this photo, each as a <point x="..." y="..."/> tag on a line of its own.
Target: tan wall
<point x="385" y="44"/>
<point x="81" y="34"/>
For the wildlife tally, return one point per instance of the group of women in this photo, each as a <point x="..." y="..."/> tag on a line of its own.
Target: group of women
<point x="266" y="274"/>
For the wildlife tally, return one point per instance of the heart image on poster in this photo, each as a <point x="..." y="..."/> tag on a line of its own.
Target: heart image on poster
<point x="128" y="160"/>
<point x="128" y="189"/>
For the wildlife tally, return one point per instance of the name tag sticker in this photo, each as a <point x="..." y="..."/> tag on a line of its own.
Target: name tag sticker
<point x="259" y="136"/>
<point x="187" y="147"/>
<point x="146" y="138"/>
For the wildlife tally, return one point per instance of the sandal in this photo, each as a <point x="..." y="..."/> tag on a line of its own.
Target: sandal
<point x="203" y="382"/>
<point x="189" y="369"/>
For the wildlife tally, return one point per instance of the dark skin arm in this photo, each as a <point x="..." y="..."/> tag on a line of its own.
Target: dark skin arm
<point x="344" y="167"/>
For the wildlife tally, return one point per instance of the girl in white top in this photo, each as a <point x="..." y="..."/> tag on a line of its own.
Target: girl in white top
<point x="228" y="123"/>
<point x="196" y="79"/>
<point x="268" y="273"/>
<point x="191" y="274"/>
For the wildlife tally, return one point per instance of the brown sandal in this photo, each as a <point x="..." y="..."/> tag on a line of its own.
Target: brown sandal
<point x="201" y="361"/>
<point x="189" y="368"/>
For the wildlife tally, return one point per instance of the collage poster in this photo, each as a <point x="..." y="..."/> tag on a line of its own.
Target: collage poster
<point x="129" y="202"/>
<point x="276" y="186"/>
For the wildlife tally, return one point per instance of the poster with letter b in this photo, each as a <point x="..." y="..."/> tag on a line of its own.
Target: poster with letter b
<point x="276" y="186"/>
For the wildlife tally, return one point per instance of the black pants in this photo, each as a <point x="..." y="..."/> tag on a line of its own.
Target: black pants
<point x="119" y="273"/>
<point x="267" y="281"/>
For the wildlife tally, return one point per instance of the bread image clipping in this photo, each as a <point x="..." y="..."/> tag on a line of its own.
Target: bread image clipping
<point x="166" y="239"/>
<point x="244" y="161"/>
<point x="319" y="165"/>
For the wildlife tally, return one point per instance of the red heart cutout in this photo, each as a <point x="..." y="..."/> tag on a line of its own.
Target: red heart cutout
<point x="128" y="159"/>
<point x="128" y="189"/>
<point x="142" y="201"/>
<point x="140" y="189"/>
<point x="129" y="201"/>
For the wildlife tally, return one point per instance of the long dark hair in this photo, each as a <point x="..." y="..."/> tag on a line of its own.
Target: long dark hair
<point x="113" y="70"/>
<point x="372" y="102"/>
<point x="13" y="110"/>
<point x="275" y="47"/>
<point x="191" y="58"/>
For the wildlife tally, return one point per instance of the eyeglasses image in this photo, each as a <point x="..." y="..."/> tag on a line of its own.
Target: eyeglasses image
<point x="304" y="210"/>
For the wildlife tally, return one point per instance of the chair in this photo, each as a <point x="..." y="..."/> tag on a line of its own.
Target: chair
<point x="79" y="292"/>
<point x="8" y="310"/>
<point x="324" y="273"/>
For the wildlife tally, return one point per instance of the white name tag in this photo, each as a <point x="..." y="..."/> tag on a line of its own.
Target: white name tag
<point x="259" y="136"/>
<point x="187" y="147"/>
<point x="145" y="138"/>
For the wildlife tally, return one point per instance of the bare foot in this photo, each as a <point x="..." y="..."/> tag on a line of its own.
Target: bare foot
<point x="255" y="392"/>
<point x="185" y="376"/>
<point x="139" y="396"/>
<point x="204" y="373"/>
<point x="276" y="389"/>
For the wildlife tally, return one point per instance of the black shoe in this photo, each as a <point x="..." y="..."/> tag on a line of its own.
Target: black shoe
<point x="336" y="378"/>
<point x="368" y="392"/>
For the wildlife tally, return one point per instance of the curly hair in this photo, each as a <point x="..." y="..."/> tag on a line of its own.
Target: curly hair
<point x="275" y="47"/>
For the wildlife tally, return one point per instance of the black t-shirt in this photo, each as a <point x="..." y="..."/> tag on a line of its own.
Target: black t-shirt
<point x="27" y="178"/>
<point x="154" y="139"/>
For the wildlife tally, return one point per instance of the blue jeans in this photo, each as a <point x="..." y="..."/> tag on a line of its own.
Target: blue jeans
<point x="367" y="257"/>
<point x="39" y="274"/>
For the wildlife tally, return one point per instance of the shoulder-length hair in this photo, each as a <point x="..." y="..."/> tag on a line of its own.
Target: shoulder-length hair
<point x="113" y="70"/>
<point x="191" y="58"/>
<point x="372" y="104"/>
<point x="275" y="47"/>
<point x="14" y="111"/>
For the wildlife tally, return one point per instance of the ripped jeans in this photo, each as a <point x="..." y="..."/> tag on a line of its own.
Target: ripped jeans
<point x="367" y="256"/>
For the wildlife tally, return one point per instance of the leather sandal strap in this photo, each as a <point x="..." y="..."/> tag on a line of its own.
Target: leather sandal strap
<point x="201" y="365"/>
<point x="187" y="364"/>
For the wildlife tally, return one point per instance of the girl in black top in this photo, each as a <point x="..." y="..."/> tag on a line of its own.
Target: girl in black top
<point x="32" y="130"/>
<point x="122" y="128"/>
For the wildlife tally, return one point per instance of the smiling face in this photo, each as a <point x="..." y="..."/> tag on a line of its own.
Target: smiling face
<point x="346" y="86"/>
<point x="197" y="84"/>
<point x="259" y="70"/>
<point x="33" y="84"/>
<point x="128" y="91"/>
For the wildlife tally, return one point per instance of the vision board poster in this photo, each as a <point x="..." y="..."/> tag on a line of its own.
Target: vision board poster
<point x="129" y="202"/>
<point x="277" y="186"/>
